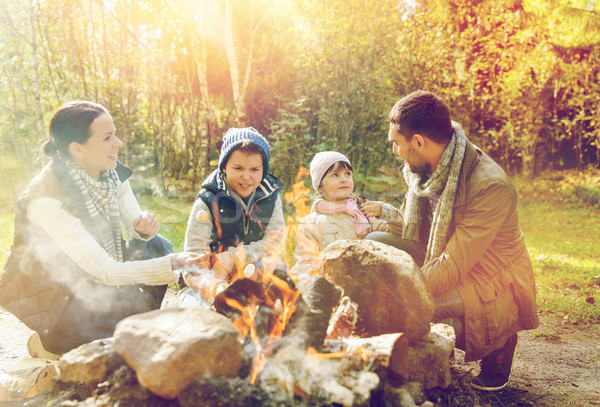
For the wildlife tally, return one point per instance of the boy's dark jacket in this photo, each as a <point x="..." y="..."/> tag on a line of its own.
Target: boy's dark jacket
<point x="236" y="222"/>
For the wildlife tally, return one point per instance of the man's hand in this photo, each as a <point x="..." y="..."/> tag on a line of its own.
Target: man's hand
<point x="371" y="209"/>
<point x="146" y="225"/>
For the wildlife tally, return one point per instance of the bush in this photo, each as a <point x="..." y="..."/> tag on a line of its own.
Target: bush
<point x="587" y="194"/>
<point x="562" y="188"/>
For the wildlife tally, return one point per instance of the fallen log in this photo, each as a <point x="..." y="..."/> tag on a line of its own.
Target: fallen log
<point x="347" y="371"/>
<point x="333" y="378"/>
<point x="388" y="350"/>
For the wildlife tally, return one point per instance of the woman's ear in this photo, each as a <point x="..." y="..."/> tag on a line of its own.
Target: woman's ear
<point x="75" y="149"/>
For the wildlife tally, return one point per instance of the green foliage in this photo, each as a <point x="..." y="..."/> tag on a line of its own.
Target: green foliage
<point x="172" y="213"/>
<point x="588" y="195"/>
<point x="569" y="22"/>
<point x="522" y="77"/>
<point x="13" y="179"/>
<point x="387" y="188"/>
<point x="566" y="188"/>
<point x="7" y="230"/>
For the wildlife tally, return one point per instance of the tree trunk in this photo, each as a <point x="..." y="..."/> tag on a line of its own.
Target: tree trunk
<point x="239" y="85"/>
<point x="240" y="108"/>
<point x="211" y="119"/>
<point x="36" y="86"/>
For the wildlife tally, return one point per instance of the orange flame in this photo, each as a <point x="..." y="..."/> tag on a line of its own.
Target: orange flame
<point x="298" y="196"/>
<point x="312" y="352"/>
<point x="283" y="307"/>
<point x="287" y="307"/>
<point x="364" y="353"/>
<point x="245" y="324"/>
<point x="288" y="303"/>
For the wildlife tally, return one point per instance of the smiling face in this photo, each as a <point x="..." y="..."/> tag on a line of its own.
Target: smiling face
<point x="337" y="184"/>
<point x="244" y="172"/>
<point x="99" y="152"/>
<point x="406" y="150"/>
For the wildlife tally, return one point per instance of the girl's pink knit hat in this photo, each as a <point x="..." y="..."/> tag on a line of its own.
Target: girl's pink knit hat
<point x="321" y="163"/>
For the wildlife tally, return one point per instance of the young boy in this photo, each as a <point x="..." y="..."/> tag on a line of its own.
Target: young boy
<point x="237" y="216"/>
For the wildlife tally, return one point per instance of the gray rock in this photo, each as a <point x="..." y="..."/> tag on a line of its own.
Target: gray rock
<point x="429" y="358"/>
<point x="171" y="348"/>
<point x="401" y="397"/>
<point x="386" y="284"/>
<point x="416" y="391"/>
<point x="90" y="363"/>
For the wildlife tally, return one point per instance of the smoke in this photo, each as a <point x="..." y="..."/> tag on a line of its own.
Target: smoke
<point x="93" y="306"/>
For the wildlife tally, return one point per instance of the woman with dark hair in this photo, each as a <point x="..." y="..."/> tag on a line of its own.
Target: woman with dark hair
<point x="71" y="276"/>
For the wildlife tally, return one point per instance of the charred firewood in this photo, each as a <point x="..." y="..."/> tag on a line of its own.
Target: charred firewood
<point x="343" y="320"/>
<point x="313" y="312"/>
<point x="244" y="292"/>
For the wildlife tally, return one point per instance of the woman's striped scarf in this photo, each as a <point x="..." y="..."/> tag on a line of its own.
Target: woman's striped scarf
<point x="101" y="200"/>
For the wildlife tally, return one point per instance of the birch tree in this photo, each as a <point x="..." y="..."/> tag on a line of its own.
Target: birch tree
<point x="240" y="62"/>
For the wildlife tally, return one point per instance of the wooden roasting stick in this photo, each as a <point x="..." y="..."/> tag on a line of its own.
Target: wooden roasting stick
<point x="388" y="350"/>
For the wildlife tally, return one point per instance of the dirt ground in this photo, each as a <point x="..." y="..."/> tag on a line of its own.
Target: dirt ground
<point x="558" y="364"/>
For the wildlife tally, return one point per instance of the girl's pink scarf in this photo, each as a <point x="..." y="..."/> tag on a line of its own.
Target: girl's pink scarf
<point x="351" y="208"/>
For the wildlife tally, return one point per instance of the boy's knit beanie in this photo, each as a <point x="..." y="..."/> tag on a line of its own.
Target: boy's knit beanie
<point x="321" y="163"/>
<point x="235" y="137"/>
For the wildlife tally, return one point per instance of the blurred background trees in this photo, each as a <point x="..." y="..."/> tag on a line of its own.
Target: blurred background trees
<point x="522" y="76"/>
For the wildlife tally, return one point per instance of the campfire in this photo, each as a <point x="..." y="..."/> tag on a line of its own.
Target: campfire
<point x="334" y="342"/>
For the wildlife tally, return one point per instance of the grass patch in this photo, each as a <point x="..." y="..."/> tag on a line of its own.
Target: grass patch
<point x="547" y="336"/>
<point x="172" y="214"/>
<point x="562" y="242"/>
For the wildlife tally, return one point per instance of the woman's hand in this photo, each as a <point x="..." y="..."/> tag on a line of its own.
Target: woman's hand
<point x="189" y="259"/>
<point x="146" y="225"/>
<point x="371" y="209"/>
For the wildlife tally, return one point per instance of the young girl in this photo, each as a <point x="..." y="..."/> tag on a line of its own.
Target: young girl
<point x="335" y="214"/>
<point x="70" y="275"/>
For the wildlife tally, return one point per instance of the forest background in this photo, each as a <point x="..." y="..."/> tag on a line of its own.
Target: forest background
<point x="521" y="76"/>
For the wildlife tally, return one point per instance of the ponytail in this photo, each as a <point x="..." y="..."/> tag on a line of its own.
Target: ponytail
<point x="50" y="149"/>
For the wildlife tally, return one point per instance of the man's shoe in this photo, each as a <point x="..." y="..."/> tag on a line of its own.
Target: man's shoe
<point x="36" y="348"/>
<point x="497" y="367"/>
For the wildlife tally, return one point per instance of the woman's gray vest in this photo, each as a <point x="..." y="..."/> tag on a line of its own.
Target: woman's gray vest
<point x="39" y="278"/>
